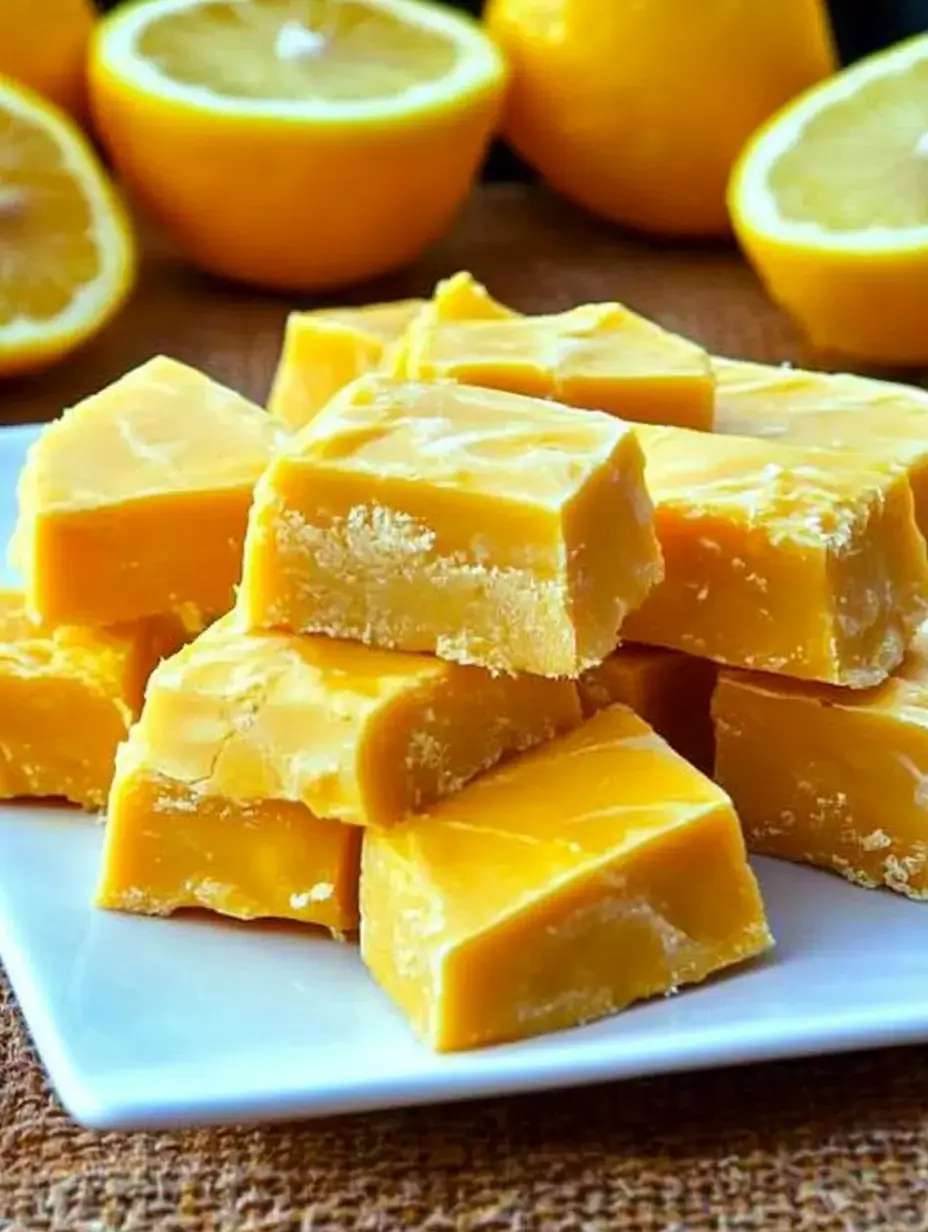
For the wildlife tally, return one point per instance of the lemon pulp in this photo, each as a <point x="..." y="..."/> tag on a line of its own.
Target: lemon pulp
<point x="862" y="160"/>
<point x="295" y="50"/>
<point x="47" y="242"/>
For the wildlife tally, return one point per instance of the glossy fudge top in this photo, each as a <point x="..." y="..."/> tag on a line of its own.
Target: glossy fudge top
<point x="161" y="428"/>
<point x="834" y="410"/>
<point x="803" y="495"/>
<point x="608" y="789"/>
<point x="460" y="437"/>
<point x="356" y="733"/>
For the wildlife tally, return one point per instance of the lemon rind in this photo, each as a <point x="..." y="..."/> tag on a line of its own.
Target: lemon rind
<point x="479" y="69"/>
<point x="752" y="202"/>
<point x="96" y="301"/>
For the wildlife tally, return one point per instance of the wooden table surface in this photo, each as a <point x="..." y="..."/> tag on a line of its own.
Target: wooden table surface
<point x="532" y="251"/>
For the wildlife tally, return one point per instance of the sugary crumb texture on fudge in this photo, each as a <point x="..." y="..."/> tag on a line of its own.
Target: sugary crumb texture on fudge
<point x="832" y="777"/>
<point x="782" y="559"/>
<point x="362" y="735"/>
<point x="482" y="526"/>
<point x="259" y="755"/>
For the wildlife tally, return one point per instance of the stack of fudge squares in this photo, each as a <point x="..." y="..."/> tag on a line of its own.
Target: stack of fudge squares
<point x="491" y="641"/>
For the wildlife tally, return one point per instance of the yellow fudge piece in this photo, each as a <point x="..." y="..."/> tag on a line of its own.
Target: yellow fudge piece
<point x="829" y="777"/>
<point x="583" y="876"/>
<point x="362" y="735"/>
<point x="600" y="356"/>
<point x="135" y="502"/>
<point x="781" y="559"/>
<point x="325" y="349"/>
<point x="462" y="298"/>
<point x="488" y="528"/>
<point x="458" y="298"/>
<point x="671" y="691"/>
<point x="169" y="846"/>
<point x="835" y="411"/>
<point x="67" y="698"/>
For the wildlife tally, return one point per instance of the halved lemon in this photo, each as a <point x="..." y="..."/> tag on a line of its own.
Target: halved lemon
<point x="830" y="202"/>
<point x="301" y="144"/>
<point x="66" y="249"/>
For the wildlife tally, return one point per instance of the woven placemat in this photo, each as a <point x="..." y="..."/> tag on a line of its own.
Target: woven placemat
<point x="838" y="1144"/>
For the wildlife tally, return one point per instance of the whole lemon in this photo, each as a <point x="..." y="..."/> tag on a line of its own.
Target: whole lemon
<point x="43" y="45"/>
<point x="637" y="109"/>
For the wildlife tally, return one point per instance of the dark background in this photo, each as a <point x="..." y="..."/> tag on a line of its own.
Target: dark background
<point x="860" y="26"/>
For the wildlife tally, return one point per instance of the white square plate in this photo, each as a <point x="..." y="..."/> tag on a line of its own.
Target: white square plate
<point x="151" y="1023"/>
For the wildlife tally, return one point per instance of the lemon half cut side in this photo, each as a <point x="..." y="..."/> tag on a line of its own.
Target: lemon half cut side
<point x="301" y="144"/>
<point x="830" y="202"/>
<point x="67" y="256"/>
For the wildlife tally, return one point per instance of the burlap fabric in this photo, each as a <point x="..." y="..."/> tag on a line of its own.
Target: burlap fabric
<point x="838" y="1144"/>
